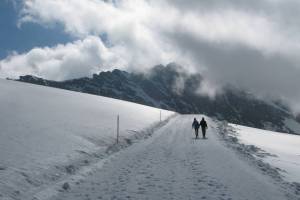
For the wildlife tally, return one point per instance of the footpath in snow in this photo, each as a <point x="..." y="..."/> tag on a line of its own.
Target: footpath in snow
<point x="173" y="165"/>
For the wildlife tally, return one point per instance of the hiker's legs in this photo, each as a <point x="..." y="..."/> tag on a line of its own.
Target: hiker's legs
<point x="196" y="132"/>
<point x="203" y="132"/>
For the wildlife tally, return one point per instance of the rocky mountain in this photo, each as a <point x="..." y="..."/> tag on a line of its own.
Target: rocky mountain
<point x="169" y="87"/>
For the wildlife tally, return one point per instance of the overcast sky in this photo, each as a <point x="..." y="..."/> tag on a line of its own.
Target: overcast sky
<point x="251" y="44"/>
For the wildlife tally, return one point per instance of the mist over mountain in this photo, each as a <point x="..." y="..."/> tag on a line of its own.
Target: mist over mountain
<point x="170" y="87"/>
<point x="298" y="118"/>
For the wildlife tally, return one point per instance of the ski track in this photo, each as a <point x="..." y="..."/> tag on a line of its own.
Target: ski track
<point x="173" y="165"/>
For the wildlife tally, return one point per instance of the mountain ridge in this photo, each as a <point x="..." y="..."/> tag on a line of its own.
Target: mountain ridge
<point x="169" y="87"/>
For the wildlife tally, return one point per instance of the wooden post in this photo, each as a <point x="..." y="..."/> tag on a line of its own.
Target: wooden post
<point x="118" y="128"/>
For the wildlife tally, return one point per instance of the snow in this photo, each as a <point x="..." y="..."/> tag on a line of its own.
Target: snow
<point x="173" y="165"/>
<point x="283" y="149"/>
<point x="47" y="133"/>
<point x="60" y="145"/>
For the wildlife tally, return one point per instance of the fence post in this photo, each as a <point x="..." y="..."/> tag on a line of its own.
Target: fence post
<point x="118" y="127"/>
<point x="160" y="115"/>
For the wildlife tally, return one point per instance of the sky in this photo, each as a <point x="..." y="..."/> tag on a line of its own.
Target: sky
<point x="251" y="45"/>
<point x="23" y="39"/>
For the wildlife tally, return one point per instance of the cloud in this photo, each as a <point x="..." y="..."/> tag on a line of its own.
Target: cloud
<point x="253" y="45"/>
<point x="78" y="59"/>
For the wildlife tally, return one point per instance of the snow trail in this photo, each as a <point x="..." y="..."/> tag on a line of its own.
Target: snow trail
<point x="173" y="165"/>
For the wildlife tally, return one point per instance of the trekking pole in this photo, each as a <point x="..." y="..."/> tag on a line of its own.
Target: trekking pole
<point x="118" y="127"/>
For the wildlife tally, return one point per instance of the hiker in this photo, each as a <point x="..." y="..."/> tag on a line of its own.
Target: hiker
<point x="196" y="126"/>
<point x="203" y="125"/>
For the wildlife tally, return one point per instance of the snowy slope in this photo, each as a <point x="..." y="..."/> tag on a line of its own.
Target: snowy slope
<point x="50" y="137"/>
<point x="282" y="150"/>
<point x="46" y="133"/>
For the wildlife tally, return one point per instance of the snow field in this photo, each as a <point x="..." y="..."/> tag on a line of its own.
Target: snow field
<point x="48" y="133"/>
<point x="56" y="144"/>
<point x="282" y="150"/>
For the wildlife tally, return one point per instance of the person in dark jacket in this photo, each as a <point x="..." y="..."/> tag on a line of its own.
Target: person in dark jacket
<point x="203" y="125"/>
<point x="196" y="126"/>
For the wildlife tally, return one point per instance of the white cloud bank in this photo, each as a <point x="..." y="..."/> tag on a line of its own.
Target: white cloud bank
<point x="78" y="59"/>
<point x="252" y="45"/>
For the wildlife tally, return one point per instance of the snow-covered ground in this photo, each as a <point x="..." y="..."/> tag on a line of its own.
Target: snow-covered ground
<point x="173" y="165"/>
<point x="282" y="150"/>
<point x="47" y="134"/>
<point x="59" y="145"/>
